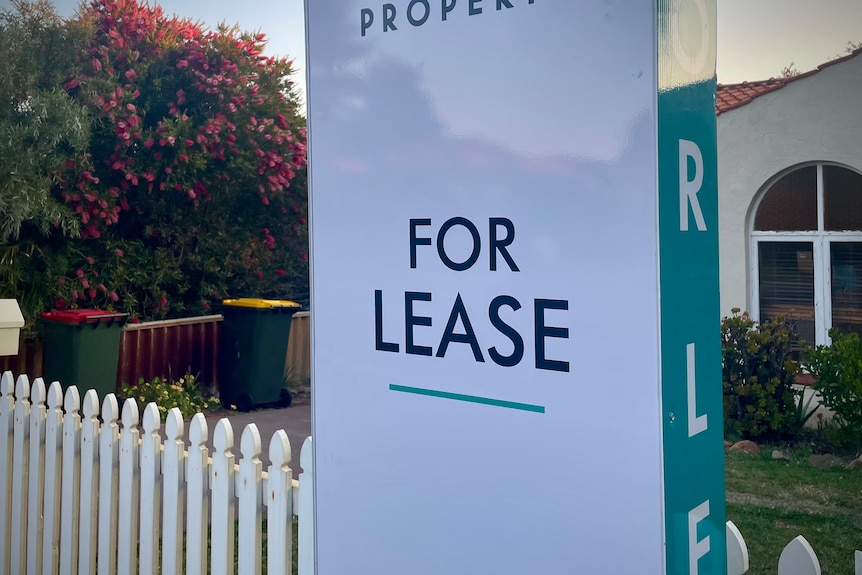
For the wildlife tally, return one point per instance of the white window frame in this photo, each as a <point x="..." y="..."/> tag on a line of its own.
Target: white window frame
<point x="821" y="241"/>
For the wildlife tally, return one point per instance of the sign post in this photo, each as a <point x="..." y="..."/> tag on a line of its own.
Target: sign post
<point x="515" y="316"/>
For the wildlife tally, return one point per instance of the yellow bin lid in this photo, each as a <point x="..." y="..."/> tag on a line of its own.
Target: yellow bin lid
<point x="259" y="303"/>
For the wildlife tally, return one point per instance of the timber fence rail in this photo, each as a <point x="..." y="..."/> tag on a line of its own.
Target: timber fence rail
<point x="87" y="489"/>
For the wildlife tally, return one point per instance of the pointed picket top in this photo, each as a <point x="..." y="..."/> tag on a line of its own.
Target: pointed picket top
<point x="174" y="427"/>
<point x="110" y="409"/>
<point x="223" y="436"/>
<point x="249" y="444"/>
<point x="279" y="450"/>
<point x="72" y="401"/>
<point x="37" y="392"/>
<point x="737" y="551"/>
<point x="798" y="558"/>
<point x="7" y="384"/>
<point x="55" y="395"/>
<point x="22" y="387"/>
<point x="305" y="456"/>
<point x="91" y="404"/>
<point x="130" y="414"/>
<point x="198" y="432"/>
<point x="152" y="419"/>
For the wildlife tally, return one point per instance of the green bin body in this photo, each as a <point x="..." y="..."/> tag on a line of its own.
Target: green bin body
<point x="252" y="351"/>
<point x="82" y="348"/>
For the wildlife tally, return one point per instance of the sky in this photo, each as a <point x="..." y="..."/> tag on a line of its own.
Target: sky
<point x="756" y="38"/>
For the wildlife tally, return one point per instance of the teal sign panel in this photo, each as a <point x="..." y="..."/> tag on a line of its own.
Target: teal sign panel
<point x="688" y="254"/>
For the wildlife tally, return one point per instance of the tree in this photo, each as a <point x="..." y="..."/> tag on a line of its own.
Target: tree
<point x="40" y="126"/>
<point x="192" y="188"/>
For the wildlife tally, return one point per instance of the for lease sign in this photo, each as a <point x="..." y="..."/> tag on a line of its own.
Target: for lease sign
<point x="514" y="287"/>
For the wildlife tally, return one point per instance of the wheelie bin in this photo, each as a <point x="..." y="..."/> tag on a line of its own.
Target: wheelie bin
<point x="82" y="348"/>
<point x="252" y="350"/>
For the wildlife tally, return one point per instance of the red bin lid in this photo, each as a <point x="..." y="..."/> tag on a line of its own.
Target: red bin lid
<point x="80" y="315"/>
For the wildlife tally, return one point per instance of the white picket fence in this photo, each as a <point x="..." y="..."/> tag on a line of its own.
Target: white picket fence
<point x="142" y="505"/>
<point x="80" y="496"/>
<point x="797" y="557"/>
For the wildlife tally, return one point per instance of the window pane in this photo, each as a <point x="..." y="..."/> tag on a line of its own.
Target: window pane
<point x="790" y="204"/>
<point x="846" y="287"/>
<point x="787" y="284"/>
<point x="842" y="199"/>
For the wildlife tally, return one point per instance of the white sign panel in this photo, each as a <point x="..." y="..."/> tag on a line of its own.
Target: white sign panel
<point x="486" y="285"/>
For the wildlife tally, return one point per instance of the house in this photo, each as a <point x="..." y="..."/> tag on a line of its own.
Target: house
<point x="790" y="197"/>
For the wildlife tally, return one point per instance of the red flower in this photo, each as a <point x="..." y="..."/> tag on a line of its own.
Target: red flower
<point x="118" y="252"/>
<point x="280" y="273"/>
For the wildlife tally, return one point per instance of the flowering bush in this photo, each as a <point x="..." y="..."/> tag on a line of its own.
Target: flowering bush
<point x="184" y="393"/>
<point x="193" y="186"/>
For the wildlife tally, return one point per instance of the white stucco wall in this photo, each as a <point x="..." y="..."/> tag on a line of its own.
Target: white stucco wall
<point x="813" y="119"/>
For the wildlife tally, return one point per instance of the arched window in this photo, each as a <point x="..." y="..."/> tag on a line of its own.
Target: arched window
<point x="806" y="250"/>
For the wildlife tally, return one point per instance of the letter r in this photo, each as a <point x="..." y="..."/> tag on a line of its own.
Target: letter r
<point x="688" y="189"/>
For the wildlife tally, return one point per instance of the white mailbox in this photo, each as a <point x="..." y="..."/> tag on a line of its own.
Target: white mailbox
<point x="11" y="322"/>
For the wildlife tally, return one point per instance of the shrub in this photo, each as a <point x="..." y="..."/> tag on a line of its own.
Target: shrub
<point x="758" y="374"/>
<point x="838" y="371"/>
<point x="185" y="393"/>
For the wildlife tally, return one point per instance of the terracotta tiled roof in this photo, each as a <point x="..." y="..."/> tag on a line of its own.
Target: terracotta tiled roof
<point x="731" y="96"/>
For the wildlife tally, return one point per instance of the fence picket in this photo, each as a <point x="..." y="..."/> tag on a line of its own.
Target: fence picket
<point x="197" y="492"/>
<point x="248" y="491"/>
<point x="858" y="563"/>
<point x="150" y="490"/>
<point x="53" y="460"/>
<point x="279" y="506"/>
<point x="89" y="506"/>
<point x="109" y="460"/>
<point x="737" y="551"/>
<point x="7" y="419"/>
<point x="127" y="526"/>
<point x="222" y="482"/>
<point x="305" y="549"/>
<point x="20" y="457"/>
<point x="173" y="467"/>
<point x="36" y="484"/>
<point x="798" y="558"/>
<point x="69" y="484"/>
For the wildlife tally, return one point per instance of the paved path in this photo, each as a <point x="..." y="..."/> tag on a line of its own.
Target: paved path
<point x="295" y="420"/>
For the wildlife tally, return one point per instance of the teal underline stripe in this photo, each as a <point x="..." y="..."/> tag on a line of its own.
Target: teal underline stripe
<point x="468" y="398"/>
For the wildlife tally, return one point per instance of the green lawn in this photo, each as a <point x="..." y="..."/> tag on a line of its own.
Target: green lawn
<point x="773" y="501"/>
